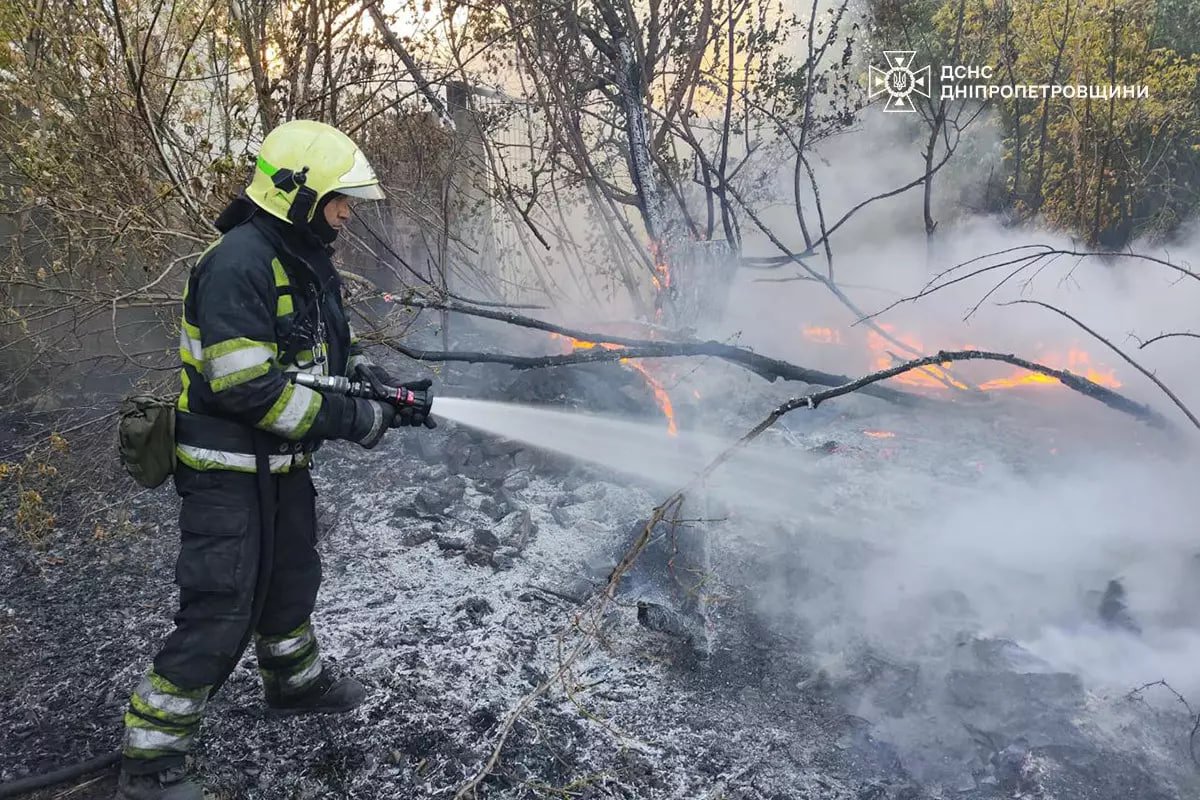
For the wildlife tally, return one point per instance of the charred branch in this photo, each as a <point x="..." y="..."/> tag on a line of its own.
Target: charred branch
<point x="1079" y="383"/>
<point x="768" y="368"/>
<point x="1153" y="378"/>
<point x="771" y="369"/>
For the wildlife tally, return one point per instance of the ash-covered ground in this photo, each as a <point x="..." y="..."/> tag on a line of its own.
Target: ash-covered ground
<point x="852" y="647"/>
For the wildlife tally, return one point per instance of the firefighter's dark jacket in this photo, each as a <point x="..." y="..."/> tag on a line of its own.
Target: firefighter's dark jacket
<point x="260" y="303"/>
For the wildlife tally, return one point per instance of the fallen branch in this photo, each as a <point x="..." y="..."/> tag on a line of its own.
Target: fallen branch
<point x="768" y="368"/>
<point x="771" y="369"/>
<point x="1116" y="350"/>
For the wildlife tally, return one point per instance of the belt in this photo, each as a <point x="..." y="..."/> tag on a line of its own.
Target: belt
<point x="218" y="433"/>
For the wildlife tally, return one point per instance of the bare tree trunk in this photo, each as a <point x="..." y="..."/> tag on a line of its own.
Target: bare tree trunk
<point x="1038" y="193"/>
<point x="248" y="31"/>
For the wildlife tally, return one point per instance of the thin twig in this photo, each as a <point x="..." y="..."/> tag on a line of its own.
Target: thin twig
<point x="1162" y="336"/>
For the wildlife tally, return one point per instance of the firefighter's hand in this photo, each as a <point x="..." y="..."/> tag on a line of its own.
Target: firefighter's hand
<point x="371" y="421"/>
<point x="374" y="374"/>
<point x="414" y="417"/>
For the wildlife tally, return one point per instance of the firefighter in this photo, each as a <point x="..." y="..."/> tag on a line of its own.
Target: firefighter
<point x="263" y="301"/>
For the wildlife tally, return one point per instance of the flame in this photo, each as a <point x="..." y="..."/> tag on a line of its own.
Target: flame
<point x="821" y="335"/>
<point x="1076" y="361"/>
<point x="661" y="279"/>
<point x="662" y="270"/>
<point x="932" y="377"/>
<point x="661" y="396"/>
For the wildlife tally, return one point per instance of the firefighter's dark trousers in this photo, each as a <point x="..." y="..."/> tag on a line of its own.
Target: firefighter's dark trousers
<point x="217" y="572"/>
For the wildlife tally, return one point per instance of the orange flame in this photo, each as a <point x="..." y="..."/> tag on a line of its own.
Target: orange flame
<point x="1077" y="362"/>
<point x="822" y="335"/>
<point x="933" y="377"/>
<point x="662" y="270"/>
<point x="661" y="396"/>
<point x="661" y="279"/>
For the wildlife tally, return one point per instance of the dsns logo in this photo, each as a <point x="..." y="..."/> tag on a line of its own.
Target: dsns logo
<point x="898" y="81"/>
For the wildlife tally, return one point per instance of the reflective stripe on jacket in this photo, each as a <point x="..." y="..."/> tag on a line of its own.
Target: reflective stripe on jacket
<point x="242" y="308"/>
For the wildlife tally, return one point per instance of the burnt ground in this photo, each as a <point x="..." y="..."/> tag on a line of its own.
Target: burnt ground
<point x="452" y="562"/>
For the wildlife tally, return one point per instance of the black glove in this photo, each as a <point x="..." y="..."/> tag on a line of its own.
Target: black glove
<point x="371" y="421"/>
<point x="374" y="373"/>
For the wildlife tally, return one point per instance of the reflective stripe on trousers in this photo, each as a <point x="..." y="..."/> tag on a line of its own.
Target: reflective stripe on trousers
<point x="289" y="663"/>
<point x="162" y="718"/>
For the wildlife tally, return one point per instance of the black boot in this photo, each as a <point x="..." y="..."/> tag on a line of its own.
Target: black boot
<point x="328" y="695"/>
<point x="170" y="784"/>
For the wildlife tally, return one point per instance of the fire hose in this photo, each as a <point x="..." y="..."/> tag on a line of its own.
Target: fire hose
<point x="62" y="775"/>
<point x="414" y="402"/>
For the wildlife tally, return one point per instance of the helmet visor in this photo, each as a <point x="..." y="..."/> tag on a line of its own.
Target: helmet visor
<point x="370" y="192"/>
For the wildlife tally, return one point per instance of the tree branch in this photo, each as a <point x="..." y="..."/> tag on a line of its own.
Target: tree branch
<point x="1116" y="350"/>
<point x="409" y="63"/>
<point x="1162" y="336"/>
<point x="769" y="368"/>
<point x="766" y="367"/>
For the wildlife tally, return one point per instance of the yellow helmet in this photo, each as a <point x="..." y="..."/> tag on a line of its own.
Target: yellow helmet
<point x="302" y="161"/>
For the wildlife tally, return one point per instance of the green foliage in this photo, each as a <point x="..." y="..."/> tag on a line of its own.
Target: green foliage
<point x="1106" y="169"/>
<point x="1111" y="168"/>
<point x="1177" y="26"/>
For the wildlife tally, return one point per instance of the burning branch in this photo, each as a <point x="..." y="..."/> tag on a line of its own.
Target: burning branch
<point x="1116" y="350"/>
<point x="1079" y="383"/>
<point x="771" y="369"/>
